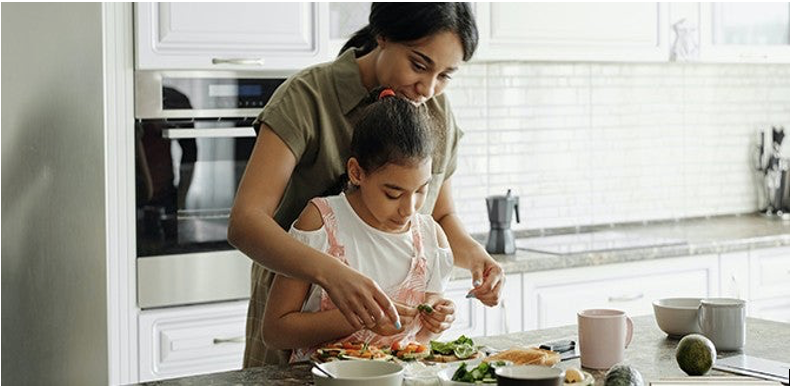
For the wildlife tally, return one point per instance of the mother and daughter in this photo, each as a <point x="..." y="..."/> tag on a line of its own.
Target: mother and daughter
<point x="354" y="265"/>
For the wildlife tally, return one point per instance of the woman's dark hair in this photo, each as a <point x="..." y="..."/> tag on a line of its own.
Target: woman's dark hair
<point x="406" y="22"/>
<point x="390" y="130"/>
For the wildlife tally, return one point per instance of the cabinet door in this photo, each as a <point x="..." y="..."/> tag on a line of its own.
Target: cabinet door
<point x="735" y="275"/>
<point x="635" y="32"/>
<point x="770" y="273"/>
<point x="553" y="298"/>
<point x="506" y="317"/>
<point x="745" y="32"/>
<point x="230" y="35"/>
<point x="187" y="341"/>
<point x="469" y="312"/>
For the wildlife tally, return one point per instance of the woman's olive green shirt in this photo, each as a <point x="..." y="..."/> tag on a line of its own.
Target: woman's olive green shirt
<point x="313" y="113"/>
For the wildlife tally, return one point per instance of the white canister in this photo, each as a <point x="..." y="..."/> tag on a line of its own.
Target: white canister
<point x="722" y="320"/>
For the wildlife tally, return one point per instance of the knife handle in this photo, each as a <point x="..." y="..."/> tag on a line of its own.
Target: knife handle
<point x="559" y="345"/>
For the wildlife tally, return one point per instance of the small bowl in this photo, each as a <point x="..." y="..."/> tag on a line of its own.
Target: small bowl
<point x="677" y="317"/>
<point x="529" y="375"/>
<point x="359" y="373"/>
<point x="447" y="373"/>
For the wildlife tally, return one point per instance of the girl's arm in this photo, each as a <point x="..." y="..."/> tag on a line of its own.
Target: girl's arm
<point x="253" y="231"/>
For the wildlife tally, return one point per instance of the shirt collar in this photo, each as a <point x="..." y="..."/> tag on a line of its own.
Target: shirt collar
<point x="348" y="82"/>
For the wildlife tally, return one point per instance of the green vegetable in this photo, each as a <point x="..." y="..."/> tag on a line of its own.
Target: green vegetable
<point x="483" y="373"/>
<point x="623" y="375"/>
<point x="695" y="354"/>
<point x="425" y="308"/>
<point x="462" y="348"/>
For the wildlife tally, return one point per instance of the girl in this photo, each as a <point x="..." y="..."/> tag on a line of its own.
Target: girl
<point x="374" y="227"/>
<point x="304" y="141"/>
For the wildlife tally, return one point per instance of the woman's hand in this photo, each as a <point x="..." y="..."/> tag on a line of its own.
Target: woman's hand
<point x="406" y="315"/>
<point x="441" y="317"/>
<point x="359" y="298"/>
<point x="488" y="278"/>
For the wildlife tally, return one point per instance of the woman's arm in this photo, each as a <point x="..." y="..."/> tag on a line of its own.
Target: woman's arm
<point x="253" y="231"/>
<point x="287" y="327"/>
<point x="468" y="253"/>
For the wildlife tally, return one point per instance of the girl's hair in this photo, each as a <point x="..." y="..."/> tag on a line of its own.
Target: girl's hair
<point x="391" y="130"/>
<point x="406" y="22"/>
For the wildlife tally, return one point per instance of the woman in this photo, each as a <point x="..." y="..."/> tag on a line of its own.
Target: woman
<point x="304" y="140"/>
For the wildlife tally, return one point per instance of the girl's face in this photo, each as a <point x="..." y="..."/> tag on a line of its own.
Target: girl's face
<point x="421" y="69"/>
<point x="391" y="194"/>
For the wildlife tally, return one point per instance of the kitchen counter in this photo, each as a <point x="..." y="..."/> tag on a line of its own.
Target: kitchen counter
<point x="651" y="352"/>
<point x="710" y="235"/>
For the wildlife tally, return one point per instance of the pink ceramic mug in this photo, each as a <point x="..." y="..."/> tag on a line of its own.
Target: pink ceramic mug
<point x="603" y="336"/>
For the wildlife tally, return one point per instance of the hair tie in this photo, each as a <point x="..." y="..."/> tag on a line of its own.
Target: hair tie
<point x="386" y="93"/>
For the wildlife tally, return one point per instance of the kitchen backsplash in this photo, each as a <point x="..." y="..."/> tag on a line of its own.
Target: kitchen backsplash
<point x="598" y="143"/>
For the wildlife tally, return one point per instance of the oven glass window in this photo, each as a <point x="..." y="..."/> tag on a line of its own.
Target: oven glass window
<point x="186" y="177"/>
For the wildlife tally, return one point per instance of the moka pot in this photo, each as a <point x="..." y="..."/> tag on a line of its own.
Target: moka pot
<point x="501" y="236"/>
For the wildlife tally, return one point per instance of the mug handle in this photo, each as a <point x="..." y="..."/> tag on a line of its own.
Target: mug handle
<point x="700" y="316"/>
<point x="629" y="331"/>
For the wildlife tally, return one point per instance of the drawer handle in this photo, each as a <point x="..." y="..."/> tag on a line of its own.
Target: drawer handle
<point x="238" y="61"/>
<point x="238" y="339"/>
<point x="620" y="299"/>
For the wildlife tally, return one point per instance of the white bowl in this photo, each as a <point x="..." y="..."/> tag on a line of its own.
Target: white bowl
<point x="677" y="317"/>
<point x="530" y="375"/>
<point x="447" y="373"/>
<point x="359" y="373"/>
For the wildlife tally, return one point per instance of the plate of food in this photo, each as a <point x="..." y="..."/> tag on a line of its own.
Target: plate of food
<point x="351" y="351"/>
<point x="461" y="349"/>
<point x="527" y="356"/>
<point x="410" y="351"/>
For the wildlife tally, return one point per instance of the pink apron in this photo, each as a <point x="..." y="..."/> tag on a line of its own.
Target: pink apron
<point x="410" y="292"/>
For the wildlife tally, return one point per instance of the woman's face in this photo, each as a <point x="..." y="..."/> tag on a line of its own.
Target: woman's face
<point x="393" y="193"/>
<point x="421" y="69"/>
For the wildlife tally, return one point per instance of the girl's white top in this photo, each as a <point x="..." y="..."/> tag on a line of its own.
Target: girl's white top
<point x="384" y="257"/>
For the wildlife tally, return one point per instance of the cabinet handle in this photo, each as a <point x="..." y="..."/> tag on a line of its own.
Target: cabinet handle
<point x="219" y="132"/>
<point x="239" y="61"/>
<point x="238" y="339"/>
<point x="505" y="316"/>
<point x="753" y="56"/>
<point x="619" y="299"/>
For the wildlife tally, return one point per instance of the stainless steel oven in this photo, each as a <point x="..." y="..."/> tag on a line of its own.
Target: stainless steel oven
<point x="194" y="135"/>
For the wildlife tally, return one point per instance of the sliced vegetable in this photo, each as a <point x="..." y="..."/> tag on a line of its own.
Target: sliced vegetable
<point x="462" y="348"/>
<point x="425" y="308"/>
<point x="483" y="373"/>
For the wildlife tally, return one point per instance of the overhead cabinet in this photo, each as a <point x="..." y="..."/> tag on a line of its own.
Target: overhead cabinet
<point x="255" y="36"/>
<point x="634" y="32"/>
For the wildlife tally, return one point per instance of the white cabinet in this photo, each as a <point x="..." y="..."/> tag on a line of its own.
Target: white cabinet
<point x="247" y="36"/>
<point x="191" y="340"/>
<point x="735" y="275"/>
<point x="744" y="32"/>
<point x="506" y="317"/>
<point x="346" y="18"/>
<point x="632" y="31"/>
<point x="769" y="284"/>
<point x="553" y="298"/>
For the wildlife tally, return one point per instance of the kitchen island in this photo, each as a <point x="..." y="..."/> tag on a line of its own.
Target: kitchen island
<point x="651" y="352"/>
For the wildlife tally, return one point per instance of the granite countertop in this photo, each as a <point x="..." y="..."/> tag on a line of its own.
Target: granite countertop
<point x="651" y="352"/>
<point x="705" y="235"/>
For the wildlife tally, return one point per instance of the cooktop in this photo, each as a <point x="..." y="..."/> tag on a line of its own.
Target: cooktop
<point x="593" y="242"/>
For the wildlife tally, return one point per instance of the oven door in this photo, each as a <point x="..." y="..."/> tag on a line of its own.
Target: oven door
<point x="187" y="174"/>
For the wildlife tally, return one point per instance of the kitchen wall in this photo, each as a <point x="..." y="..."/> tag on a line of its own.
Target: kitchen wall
<point x="595" y="143"/>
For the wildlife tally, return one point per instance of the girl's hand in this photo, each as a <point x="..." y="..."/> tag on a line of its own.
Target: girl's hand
<point x="488" y="278"/>
<point x="441" y="317"/>
<point x="359" y="298"/>
<point x="406" y="315"/>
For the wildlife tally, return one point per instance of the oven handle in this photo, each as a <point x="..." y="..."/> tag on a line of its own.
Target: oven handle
<point x="239" y="61"/>
<point x="212" y="132"/>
